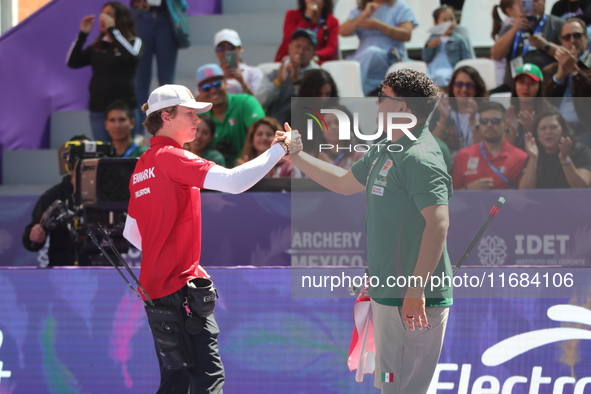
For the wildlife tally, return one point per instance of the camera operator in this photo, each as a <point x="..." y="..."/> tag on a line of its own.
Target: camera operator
<point x="62" y="248"/>
<point x="532" y="38"/>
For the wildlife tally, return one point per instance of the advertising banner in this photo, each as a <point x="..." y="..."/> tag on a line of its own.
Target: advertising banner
<point x="82" y="330"/>
<point x="547" y="228"/>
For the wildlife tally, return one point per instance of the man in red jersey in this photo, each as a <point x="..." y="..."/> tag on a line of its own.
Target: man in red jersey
<point x="492" y="163"/>
<point x="164" y="220"/>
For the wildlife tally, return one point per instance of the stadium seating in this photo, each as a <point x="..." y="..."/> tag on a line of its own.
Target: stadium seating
<point x="486" y="69"/>
<point x="269" y="67"/>
<point x="477" y="19"/>
<point x="503" y="98"/>
<point x="423" y="11"/>
<point x="342" y="9"/>
<point x="30" y="167"/>
<point x="412" y="64"/>
<point x="347" y="76"/>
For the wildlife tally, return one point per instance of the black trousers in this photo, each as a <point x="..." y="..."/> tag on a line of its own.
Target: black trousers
<point x="207" y="377"/>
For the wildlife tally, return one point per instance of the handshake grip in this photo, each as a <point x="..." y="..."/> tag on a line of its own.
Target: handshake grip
<point x="290" y="141"/>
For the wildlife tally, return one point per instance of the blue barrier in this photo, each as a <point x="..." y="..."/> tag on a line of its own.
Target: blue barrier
<point x="535" y="228"/>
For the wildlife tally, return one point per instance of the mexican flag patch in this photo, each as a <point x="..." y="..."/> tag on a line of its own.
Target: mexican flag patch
<point x="387" y="377"/>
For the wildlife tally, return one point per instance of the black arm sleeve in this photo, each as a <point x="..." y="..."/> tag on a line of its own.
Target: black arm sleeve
<point x="78" y="57"/>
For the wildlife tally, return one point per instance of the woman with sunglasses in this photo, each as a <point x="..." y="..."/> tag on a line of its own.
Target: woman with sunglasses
<point x="555" y="159"/>
<point x="455" y="117"/>
<point x="113" y="56"/>
<point x="240" y="77"/>
<point x="314" y="15"/>
<point x="526" y="101"/>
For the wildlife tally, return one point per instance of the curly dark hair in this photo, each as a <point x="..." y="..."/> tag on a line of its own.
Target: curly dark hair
<point x="418" y="90"/>
<point x="326" y="9"/>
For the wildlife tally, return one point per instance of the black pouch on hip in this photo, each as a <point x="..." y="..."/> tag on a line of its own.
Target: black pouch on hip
<point x="202" y="296"/>
<point x="173" y="344"/>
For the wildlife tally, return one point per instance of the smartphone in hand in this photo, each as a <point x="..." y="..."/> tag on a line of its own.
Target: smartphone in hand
<point x="231" y="59"/>
<point x="527" y="8"/>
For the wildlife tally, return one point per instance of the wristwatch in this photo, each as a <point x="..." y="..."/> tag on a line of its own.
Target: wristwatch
<point x="566" y="161"/>
<point x="546" y="46"/>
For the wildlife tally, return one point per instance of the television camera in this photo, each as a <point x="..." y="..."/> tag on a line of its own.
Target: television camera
<point x="101" y="196"/>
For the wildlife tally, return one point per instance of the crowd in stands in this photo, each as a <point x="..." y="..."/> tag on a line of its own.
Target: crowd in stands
<point x="538" y="138"/>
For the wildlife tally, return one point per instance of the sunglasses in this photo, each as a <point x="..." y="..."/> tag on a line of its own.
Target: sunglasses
<point x="494" y="121"/>
<point x="567" y="37"/>
<point x="207" y="87"/>
<point x="221" y="48"/>
<point x="382" y="97"/>
<point x="467" y="85"/>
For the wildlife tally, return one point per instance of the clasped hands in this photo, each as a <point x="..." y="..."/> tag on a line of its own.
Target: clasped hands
<point x="291" y="138"/>
<point x="364" y="20"/>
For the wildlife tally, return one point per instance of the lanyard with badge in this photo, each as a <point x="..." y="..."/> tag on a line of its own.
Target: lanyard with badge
<point x="320" y="23"/>
<point x="495" y="169"/>
<point x="517" y="62"/>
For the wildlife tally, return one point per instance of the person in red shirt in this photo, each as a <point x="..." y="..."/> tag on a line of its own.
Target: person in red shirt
<point x="164" y="219"/>
<point x="314" y="15"/>
<point x="492" y="163"/>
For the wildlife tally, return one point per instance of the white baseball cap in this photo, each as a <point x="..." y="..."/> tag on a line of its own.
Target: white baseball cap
<point x="171" y="95"/>
<point x="227" y="35"/>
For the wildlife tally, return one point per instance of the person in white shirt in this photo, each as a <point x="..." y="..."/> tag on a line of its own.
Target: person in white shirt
<point x="240" y="77"/>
